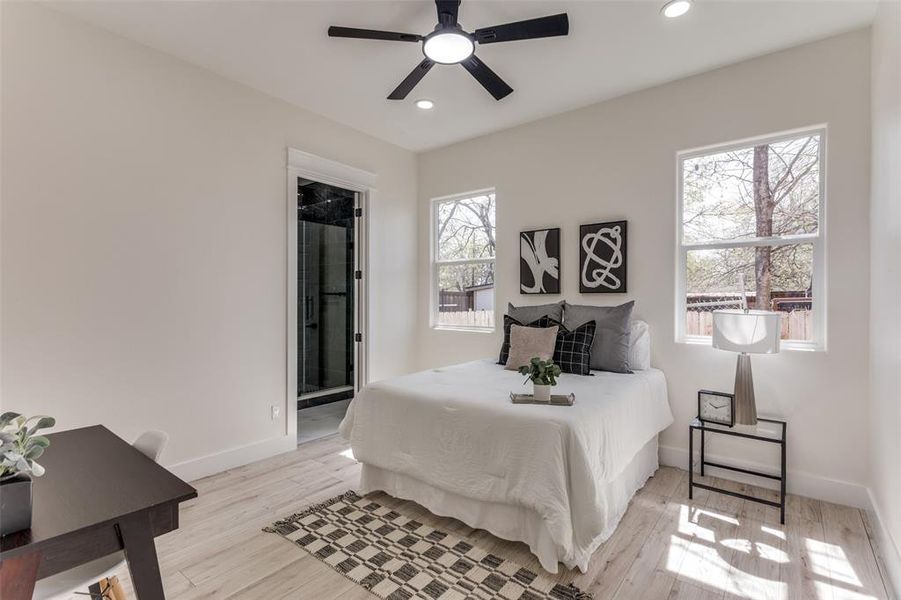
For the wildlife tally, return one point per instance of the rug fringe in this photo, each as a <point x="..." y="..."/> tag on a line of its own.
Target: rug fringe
<point x="311" y="509"/>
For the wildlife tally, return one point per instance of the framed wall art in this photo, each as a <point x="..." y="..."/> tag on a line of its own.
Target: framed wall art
<point x="539" y="261"/>
<point x="602" y="258"/>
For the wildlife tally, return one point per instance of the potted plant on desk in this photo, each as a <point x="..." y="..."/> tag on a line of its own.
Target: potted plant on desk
<point x="20" y="446"/>
<point x="543" y="375"/>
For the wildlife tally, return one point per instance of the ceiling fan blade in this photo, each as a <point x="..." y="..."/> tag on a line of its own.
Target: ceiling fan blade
<point x="496" y="86"/>
<point x="447" y="12"/>
<point x="410" y="81"/>
<point x="524" y="30"/>
<point x="372" y="34"/>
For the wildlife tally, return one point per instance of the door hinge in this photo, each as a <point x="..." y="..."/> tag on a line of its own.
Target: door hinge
<point x="358" y="337"/>
<point x="358" y="274"/>
<point x="358" y="212"/>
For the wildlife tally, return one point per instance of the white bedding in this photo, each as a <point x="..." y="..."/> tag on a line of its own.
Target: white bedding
<point x="514" y="522"/>
<point x="455" y="429"/>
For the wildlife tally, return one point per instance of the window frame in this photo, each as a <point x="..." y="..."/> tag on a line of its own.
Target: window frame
<point x="435" y="262"/>
<point x="818" y="239"/>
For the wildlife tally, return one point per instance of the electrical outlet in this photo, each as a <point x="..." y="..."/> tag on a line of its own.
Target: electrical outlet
<point x="274" y="411"/>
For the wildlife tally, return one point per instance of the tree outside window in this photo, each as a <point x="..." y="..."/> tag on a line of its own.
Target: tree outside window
<point x="752" y="213"/>
<point x="464" y="250"/>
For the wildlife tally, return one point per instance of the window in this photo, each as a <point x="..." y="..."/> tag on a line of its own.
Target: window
<point x="752" y="212"/>
<point x="463" y="247"/>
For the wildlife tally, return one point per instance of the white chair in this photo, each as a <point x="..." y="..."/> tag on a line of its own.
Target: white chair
<point x="88" y="575"/>
<point x="151" y="444"/>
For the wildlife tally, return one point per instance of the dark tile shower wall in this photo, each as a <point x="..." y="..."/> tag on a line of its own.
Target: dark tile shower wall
<point x="325" y="289"/>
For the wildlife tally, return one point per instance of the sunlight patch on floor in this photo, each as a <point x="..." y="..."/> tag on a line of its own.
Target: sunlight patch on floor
<point x="710" y="551"/>
<point x="712" y="566"/>
<point x="348" y="454"/>
<point x="832" y="559"/>
<point x="678" y="548"/>
<point x="765" y="551"/>
<point x="690" y="519"/>
<point x="774" y="532"/>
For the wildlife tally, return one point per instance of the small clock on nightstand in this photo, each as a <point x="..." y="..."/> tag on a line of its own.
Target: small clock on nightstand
<point x="716" y="407"/>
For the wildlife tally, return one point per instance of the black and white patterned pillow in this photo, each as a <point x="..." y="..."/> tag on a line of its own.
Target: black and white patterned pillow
<point x="509" y="321"/>
<point x="572" y="353"/>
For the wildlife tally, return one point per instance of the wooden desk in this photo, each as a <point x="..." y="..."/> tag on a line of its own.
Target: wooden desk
<point x="98" y="496"/>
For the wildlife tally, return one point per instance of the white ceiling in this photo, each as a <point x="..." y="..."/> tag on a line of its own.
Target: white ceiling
<point x="281" y="48"/>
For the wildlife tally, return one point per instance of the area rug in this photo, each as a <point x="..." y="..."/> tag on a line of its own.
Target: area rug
<point x="398" y="558"/>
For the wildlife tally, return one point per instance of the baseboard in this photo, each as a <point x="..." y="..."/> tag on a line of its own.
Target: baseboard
<point x="211" y="464"/>
<point x="799" y="482"/>
<point x="886" y="548"/>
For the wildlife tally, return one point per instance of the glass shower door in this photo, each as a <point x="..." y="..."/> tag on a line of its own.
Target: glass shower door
<point x="326" y="282"/>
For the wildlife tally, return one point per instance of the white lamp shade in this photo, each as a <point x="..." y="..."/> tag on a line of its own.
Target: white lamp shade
<point x="753" y="332"/>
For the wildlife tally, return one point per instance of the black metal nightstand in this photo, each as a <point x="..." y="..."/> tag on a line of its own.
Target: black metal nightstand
<point x="766" y="430"/>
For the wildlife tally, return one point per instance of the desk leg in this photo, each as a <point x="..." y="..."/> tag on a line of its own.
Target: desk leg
<point x="17" y="576"/>
<point x="140" y="552"/>
<point x="691" y="463"/>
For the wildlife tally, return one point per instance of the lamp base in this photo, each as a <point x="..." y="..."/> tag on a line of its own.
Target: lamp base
<point x="745" y="405"/>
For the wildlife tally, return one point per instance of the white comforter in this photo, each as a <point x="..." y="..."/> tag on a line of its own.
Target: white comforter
<point x="456" y="429"/>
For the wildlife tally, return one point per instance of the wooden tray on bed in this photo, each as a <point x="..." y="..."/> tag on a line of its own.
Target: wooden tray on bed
<point x="556" y="399"/>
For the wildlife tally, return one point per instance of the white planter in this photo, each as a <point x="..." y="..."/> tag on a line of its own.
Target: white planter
<point x="541" y="393"/>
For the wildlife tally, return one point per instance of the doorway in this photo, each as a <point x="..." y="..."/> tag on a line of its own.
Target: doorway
<point x="328" y="303"/>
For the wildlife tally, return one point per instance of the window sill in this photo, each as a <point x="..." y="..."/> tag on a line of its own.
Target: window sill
<point x="463" y="329"/>
<point x="790" y="345"/>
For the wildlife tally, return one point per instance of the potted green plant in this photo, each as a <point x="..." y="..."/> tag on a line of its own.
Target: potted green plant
<point x="543" y="375"/>
<point x="20" y="446"/>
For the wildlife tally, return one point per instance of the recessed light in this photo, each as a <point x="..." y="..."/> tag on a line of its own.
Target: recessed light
<point x="425" y="104"/>
<point x="676" y="8"/>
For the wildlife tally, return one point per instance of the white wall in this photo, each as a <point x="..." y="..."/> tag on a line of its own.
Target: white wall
<point x="616" y="160"/>
<point x="144" y="240"/>
<point x="885" y="284"/>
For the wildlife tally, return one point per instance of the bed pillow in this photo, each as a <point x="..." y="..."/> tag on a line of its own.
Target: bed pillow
<point x="527" y="314"/>
<point x="572" y="350"/>
<point x="610" y="350"/>
<point x="510" y="321"/>
<point x="640" y="347"/>
<point x="528" y="342"/>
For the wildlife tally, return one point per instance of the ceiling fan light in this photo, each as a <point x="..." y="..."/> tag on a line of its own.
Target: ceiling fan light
<point x="676" y="8"/>
<point x="425" y="104"/>
<point x="448" y="48"/>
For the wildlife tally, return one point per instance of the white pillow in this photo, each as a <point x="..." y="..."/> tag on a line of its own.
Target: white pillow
<point x="640" y="347"/>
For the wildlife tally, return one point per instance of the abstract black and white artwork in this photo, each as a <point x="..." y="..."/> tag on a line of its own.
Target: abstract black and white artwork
<point x="602" y="258"/>
<point x="539" y="261"/>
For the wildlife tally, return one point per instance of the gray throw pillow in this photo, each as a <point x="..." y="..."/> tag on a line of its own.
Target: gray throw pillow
<point x="610" y="348"/>
<point x="527" y="314"/>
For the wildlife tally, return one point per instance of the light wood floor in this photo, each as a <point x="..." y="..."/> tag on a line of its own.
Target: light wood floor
<point x="665" y="547"/>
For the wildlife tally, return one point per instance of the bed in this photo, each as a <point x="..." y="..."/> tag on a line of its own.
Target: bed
<point x="557" y="478"/>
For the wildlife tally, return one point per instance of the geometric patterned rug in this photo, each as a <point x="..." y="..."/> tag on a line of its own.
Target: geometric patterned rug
<point x="398" y="558"/>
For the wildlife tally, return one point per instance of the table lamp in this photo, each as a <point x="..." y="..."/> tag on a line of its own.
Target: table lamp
<point x="746" y="332"/>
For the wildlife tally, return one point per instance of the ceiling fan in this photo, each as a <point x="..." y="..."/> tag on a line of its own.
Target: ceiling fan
<point x="448" y="44"/>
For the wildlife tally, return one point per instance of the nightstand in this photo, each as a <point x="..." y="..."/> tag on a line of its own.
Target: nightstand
<point x="769" y="431"/>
